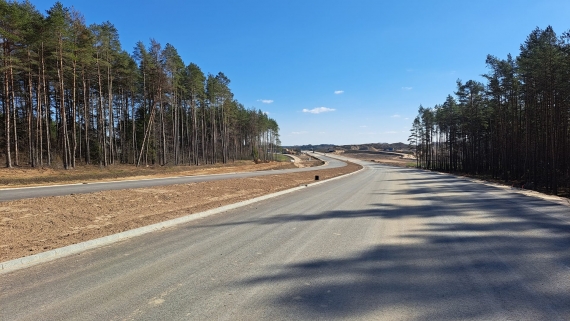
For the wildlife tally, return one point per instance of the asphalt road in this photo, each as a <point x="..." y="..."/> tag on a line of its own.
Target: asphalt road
<point x="10" y="194"/>
<point x="383" y="244"/>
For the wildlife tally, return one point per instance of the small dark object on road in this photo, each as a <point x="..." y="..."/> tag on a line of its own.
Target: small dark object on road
<point x="316" y="177"/>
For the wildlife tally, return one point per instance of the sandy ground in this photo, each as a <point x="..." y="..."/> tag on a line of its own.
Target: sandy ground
<point x="305" y="160"/>
<point x="22" y="176"/>
<point x="393" y="160"/>
<point x="35" y="225"/>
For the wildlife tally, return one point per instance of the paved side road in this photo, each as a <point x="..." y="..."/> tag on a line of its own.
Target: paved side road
<point x="383" y="244"/>
<point x="11" y="194"/>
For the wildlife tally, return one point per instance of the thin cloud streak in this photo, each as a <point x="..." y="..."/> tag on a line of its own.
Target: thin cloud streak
<point x="318" y="110"/>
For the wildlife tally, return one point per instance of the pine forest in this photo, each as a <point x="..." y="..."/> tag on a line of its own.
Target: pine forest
<point x="71" y="95"/>
<point x="515" y="127"/>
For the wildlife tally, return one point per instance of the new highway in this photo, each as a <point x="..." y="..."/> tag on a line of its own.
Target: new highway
<point x="385" y="243"/>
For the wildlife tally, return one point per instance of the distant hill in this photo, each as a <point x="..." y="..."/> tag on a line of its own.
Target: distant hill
<point x="364" y="147"/>
<point x="311" y="147"/>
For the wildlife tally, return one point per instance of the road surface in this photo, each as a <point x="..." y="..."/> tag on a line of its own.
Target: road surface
<point x="10" y="194"/>
<point x="383" y="244"/>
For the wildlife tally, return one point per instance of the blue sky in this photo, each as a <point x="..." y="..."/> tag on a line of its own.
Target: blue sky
<point x="340" y="72"/>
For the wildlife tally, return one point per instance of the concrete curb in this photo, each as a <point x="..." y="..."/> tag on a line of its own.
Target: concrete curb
<point x="505" y="188"/>
<point x="508" y="189"/>
<point x="51" y="255"/>
<point x="526" y="192"/>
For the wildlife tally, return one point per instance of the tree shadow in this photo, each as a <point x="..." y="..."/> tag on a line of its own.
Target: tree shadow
<point x="486" y="257"/>
<point x="432" y="280"/>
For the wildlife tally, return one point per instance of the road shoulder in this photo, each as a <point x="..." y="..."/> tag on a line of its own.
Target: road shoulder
<point x="43" y="229"/>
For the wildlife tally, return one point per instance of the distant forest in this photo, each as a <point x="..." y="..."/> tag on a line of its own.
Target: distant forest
<point x="515" y="127"/>
<point x="71" y="95"/>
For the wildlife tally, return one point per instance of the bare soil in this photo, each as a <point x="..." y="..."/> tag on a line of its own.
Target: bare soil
<point x="32" y="226"/>
<point x="305" y="160"/>
<point x="26" y="176"/>
<point x="386" y="159"/>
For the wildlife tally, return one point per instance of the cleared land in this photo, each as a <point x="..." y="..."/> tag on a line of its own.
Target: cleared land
<point x="33" y="226"/>
<point x="382" y="158"/>
<point x="17" y="177"/>
<point x="388" y="243"/>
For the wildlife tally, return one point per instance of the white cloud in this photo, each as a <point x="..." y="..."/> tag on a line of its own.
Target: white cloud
<point x="396" y="116"/>
<point x="407" y="88"/>
<point x="299" y="133"/>
<point x="318" y="110"/>
<point x="391" y="132"/>
<point x="363" y="126"/>
<point x="338" y="92"/>
<point x="265" y="112"/>
<point x="265" y="101"/>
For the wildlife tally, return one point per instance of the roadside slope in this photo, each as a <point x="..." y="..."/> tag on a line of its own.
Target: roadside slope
<point x="31" y="226"/>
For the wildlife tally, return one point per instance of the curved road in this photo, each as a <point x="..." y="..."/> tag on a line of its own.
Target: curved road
<point x="10" y="194"/>
<point x="383" y="244"/>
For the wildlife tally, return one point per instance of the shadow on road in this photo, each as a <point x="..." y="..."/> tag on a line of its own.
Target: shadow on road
<point x="478" y="256"/>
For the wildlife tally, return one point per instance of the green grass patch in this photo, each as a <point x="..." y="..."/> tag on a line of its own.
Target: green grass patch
<point x="281" y="158"/>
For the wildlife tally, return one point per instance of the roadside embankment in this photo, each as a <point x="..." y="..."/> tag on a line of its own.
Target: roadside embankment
<point x="32" y="226"/>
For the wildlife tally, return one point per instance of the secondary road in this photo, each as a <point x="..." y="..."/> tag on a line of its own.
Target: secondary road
<point x="10" y="194"/>
<point x="383" y="244"/>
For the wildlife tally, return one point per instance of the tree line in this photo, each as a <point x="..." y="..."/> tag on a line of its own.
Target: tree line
<point x="70" y="94"/>
<point x="515" y="127"/>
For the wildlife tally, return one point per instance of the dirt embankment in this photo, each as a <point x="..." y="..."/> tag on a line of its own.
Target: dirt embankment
<point x="384" y="158"/>
<point x="36" y="225"/>
<point x="25" y="176"/>
<point x="305" y="160"/>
